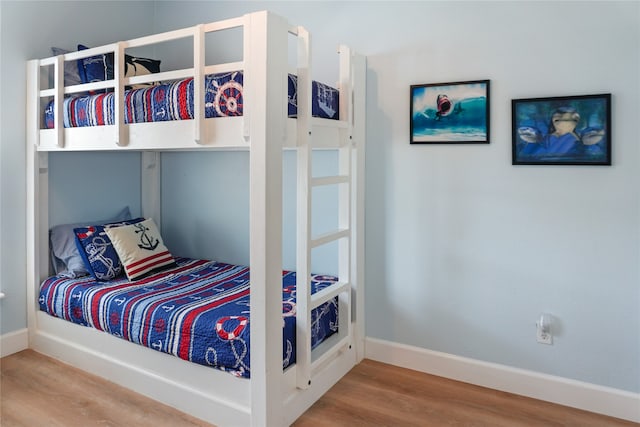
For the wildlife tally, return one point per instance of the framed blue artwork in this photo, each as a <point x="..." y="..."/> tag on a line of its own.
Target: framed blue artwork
<point x="562" y="130"/>
<point x="450" y="113"/>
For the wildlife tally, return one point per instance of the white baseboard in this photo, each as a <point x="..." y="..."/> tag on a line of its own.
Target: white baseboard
<point x="563" y="391"/>
<point x="14" y="342"/>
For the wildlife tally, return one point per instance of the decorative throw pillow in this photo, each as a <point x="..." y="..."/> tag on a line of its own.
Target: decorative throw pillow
<point x="140" y="249"/>
<point x="140" y="67"/>
<point x="97" y="252"/>
<point x="93" y="68"/>
<point x="100" y="67"/>
<point x="71" y="76"/>
<point x="65" y="257"/>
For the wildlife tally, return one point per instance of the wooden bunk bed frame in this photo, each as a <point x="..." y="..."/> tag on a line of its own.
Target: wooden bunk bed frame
<point x="271" y="397"/>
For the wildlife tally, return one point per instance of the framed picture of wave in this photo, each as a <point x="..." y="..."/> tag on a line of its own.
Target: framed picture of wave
<point x="450" y="113"/>
<point x="562" y="130"/>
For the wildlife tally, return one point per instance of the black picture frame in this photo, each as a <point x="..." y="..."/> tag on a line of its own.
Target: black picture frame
<point x="450" y="113"/>
<point x="562" y="130"/>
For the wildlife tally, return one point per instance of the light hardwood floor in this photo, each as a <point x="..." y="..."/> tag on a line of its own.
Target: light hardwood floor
<point x="36" y="390"/>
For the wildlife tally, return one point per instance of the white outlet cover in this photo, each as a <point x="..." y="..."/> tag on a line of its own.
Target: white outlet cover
<point x="542" y="337"/>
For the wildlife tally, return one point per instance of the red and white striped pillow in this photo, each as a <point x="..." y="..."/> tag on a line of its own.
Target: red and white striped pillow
<point x="140" y="248"/>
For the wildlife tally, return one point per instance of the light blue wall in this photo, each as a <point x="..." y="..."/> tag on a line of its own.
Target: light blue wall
<point x="92" y="186"/>
<point x="329" y="23"/>
<point x="464" y="250"/>
<point x="28" y="30"/>
<point x="205" y="207"/>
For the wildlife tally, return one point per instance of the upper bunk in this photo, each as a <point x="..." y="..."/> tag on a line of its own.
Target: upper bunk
<point x="207" y="105"/>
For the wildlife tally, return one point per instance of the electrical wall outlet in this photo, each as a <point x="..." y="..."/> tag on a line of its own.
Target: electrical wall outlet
<point x="543" y="337"/>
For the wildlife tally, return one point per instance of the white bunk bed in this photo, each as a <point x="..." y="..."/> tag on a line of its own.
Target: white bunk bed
<point x="271" y="396"/>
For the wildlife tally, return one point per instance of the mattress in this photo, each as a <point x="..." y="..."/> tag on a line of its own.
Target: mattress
<point x="198" y="311"/>
<point x="174" y="101"/>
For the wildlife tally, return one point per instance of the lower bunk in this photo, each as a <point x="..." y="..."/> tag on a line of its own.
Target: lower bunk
<point x="203" y="392"/>
<point x="197" y="310"/>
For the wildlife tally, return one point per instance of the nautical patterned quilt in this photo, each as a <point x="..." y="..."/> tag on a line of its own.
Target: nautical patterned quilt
<point x="174" y="101"/>
<point x="198" y="311"/>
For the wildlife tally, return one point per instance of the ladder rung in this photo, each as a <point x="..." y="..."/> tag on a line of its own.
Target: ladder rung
<point x="323" y="239"/>
<point x="329" y="180"/>
<point x="328" y="293"/>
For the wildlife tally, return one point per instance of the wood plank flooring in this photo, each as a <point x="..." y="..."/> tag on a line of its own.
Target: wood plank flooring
<point x="36" y="390"/>
<point x="375" y="394"/>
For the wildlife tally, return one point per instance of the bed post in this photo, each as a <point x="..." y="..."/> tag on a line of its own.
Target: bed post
<point x="37" y="199"/>
<point x="121" y="136"/>
<point x="303" y="219"/>
<point x="265" y="93"/>
<point x="198" y="84"/>
<point x="358" y="70"/>
<point x="58" y="98"/>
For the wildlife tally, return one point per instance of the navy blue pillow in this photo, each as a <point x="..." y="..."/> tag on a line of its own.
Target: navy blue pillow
<point x="93" y="68"/>
<point x="100" y="67"/>
<point x="97" y="251"/>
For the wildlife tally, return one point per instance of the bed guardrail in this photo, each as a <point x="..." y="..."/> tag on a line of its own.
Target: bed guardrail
<point x="117" y="84"/>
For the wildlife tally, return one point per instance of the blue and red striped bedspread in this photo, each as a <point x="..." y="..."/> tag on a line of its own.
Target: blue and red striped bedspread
<point x="174" y="101"/>
<point x="198" y="311"/>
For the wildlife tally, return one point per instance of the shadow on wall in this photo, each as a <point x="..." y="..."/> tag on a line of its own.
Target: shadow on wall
<point x="378" y="142"/>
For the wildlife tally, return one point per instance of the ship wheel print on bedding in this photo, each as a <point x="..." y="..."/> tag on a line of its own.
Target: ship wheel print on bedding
<point x="228" y="100"/>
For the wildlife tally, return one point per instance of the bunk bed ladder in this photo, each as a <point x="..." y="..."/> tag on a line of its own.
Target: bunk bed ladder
<point x="306" y="358"/>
